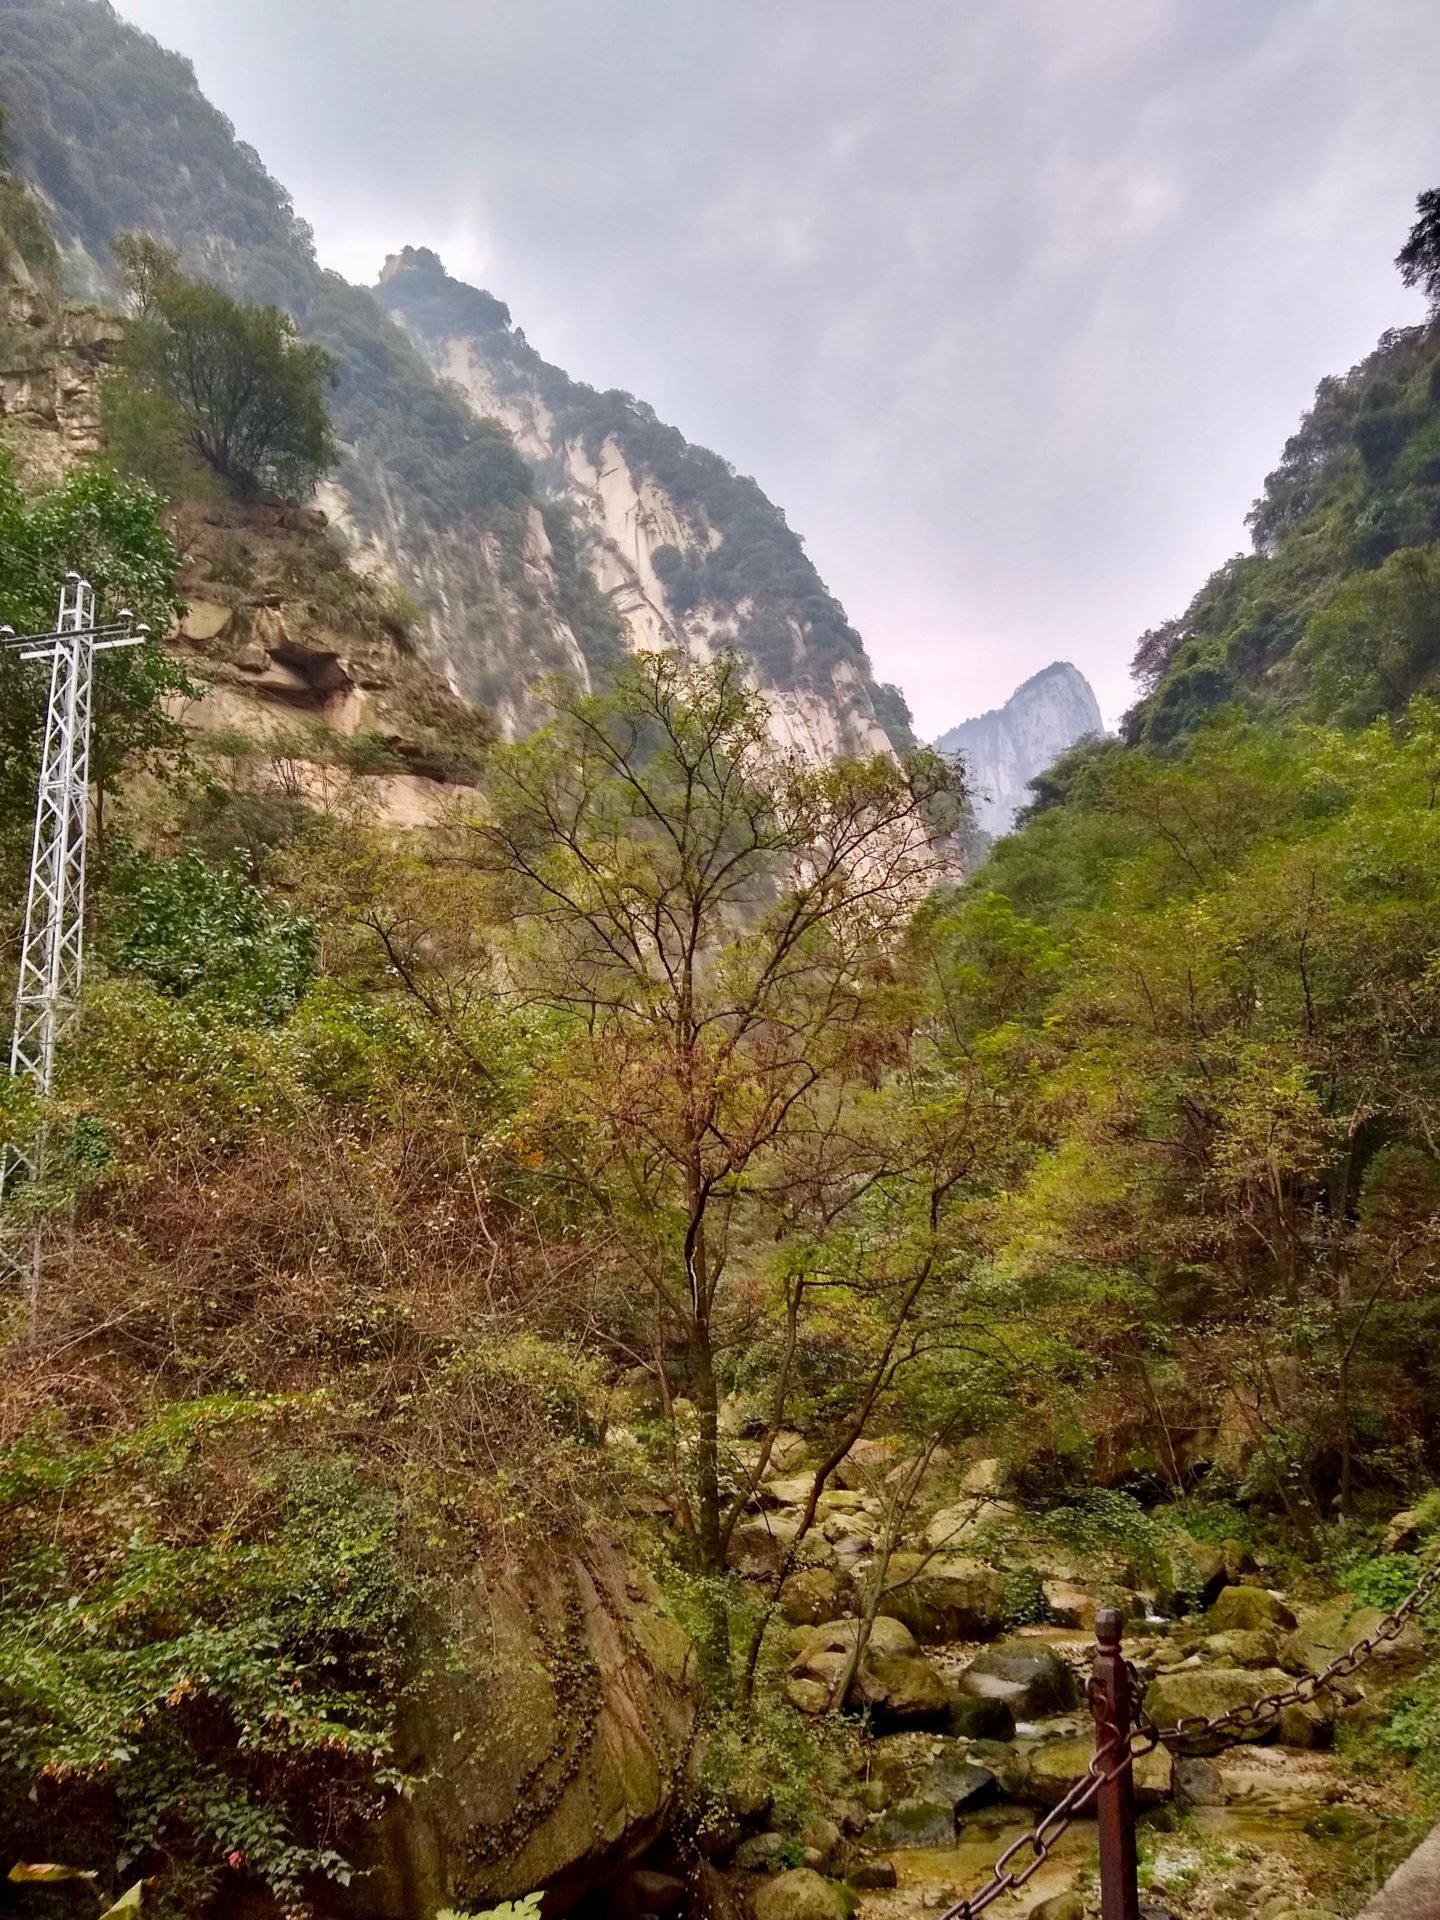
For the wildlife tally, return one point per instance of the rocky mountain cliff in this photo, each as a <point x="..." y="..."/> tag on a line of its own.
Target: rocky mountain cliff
<point x="540" y="525"/>
<point x="1008" y="746"/>
<point x="686" y="551"/>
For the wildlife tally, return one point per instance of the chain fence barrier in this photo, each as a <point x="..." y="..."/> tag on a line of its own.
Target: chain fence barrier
<point x="1118" y="1747"/>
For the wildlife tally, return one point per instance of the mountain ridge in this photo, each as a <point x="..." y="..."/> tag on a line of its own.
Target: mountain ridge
<point x="1008" y="746"/>
<point x="433" y="491"/>
<point x="690" y="553"/>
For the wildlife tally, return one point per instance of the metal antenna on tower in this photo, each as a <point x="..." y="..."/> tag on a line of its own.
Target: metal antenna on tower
<point x="52" y="952"/>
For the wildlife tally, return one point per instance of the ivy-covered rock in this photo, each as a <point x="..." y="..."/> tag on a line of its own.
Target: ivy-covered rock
<point x="548" y="1752"/>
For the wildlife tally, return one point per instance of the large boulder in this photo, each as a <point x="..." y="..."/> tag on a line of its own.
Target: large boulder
<point x="758" y="1547"/>
<point x="793" y="1490"/>
<point x="763" y="1853"/>
<point x="1404" y="1532"/>
<point x="920" y="1822"/>
<point x="901" y="1690"/>
<point x="960" y="1783"/>
<point x="974" y="1718"/>
<point x="813" y="1595"/>
<point x="1308" y="1724"/>
<point x="1054" y="1768"/>
<point x="895" y="1680"/>
<point x="1068" y="1603"/>
<point x="873" y="1876"/>
<point x="865" y="1466"/>
<point x="1248" y="1610"/>
<point x="949" y="1530"/>
<point x="1209" y="1691"/>
<point x="944" y="1599"/>
<point x="787" y="1454"/>
<point x="1321" y="1636"/>
<point x="545" y="1750"/>
<point x="839" y="1637"/>
<point x="802" y="1894"/>
<point x="1028" y="1676"/>
<point x="1193" y="1571"/>
<point x="1241" y="1647"/>
<point x="840" y="1526"/>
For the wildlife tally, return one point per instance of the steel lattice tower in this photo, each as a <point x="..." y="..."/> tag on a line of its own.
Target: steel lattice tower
<point x="52" y="953"/>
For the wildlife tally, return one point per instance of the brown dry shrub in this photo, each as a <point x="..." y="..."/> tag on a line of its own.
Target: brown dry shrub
<point x="450" y="1339"/>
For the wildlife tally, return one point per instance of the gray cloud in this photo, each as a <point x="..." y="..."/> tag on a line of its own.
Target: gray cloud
<point x="1010" y="306"/>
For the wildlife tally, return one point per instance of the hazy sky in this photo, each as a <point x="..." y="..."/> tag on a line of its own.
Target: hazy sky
<point x="1010" y="304"/>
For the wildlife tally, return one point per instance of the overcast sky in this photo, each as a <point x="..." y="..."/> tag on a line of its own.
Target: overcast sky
<point x="1010" y="304"/>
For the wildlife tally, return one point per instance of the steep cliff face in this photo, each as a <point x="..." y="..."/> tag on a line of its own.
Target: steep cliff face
<point x="1005" y="748"/>
<point x="290" y="647"/>
<point x="685" y="550"/>
<point x="540" y="526"/>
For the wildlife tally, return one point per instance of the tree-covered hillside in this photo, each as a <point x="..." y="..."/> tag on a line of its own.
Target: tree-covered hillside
<point x="1336" y="611"/>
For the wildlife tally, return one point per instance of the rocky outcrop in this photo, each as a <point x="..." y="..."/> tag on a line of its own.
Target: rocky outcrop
<point x="50" y="360"/>
<point x="547" y="1749"/>
<point x="1006" y="748"/>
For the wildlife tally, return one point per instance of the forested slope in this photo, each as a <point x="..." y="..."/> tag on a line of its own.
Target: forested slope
<point x="1336" y="612"/>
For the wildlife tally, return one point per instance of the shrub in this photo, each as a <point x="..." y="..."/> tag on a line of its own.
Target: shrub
<point x="200" y="1697"/>
<point x="194" y="929"/>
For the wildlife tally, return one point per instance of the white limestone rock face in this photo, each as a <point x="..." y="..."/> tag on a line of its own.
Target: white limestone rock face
<point x="653" y="512"/>
<point x="1006" y="748"/>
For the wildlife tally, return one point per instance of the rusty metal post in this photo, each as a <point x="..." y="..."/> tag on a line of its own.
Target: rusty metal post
<point x="1114" y="1712"/>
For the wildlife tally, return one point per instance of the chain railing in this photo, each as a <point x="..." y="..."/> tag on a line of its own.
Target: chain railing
<point x="1125" y="1733"/>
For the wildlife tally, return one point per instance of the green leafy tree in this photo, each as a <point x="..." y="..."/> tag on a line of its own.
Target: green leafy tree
<point x="234" y="381"/>
<point x="109" y="530"/>
<point x="1378" y="641"/>
<point x="145" y="265"/>
<point x="193" y="929"/>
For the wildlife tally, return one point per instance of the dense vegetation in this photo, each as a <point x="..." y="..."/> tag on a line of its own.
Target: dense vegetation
<point x="420" y="1209"/>
<point x="1336" y="613"/>
<point x="230" y="382"/>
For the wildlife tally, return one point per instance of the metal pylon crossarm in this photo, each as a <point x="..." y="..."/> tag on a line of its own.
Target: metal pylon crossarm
<point x="53" y="946"/>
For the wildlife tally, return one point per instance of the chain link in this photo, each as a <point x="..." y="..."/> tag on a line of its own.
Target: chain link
<point x="1114" y="1755"/>
<point x="1110" y="1760"/>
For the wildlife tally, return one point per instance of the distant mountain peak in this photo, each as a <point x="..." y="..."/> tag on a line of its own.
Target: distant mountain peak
<point x="1007" y="747"/>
